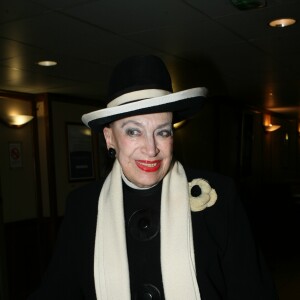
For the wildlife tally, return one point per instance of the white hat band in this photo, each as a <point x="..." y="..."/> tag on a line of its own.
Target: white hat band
<point x="137" y="95"/>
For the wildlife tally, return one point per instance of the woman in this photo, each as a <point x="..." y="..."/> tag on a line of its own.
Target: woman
<point x="152" y="229"/>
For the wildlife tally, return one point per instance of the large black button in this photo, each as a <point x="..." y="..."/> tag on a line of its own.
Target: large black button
<point x="147" y="292"/>
<point x="147" y="296"/>
<point x="144" y="224"/>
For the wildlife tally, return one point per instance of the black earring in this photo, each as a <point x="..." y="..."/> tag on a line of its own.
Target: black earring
<point x="111" y="152"/>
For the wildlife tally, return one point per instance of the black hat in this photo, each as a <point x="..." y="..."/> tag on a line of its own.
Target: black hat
<point x="142" y="85"/>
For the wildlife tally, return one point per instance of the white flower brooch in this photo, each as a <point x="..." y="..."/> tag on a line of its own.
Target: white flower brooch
<point x="201" y="194"/>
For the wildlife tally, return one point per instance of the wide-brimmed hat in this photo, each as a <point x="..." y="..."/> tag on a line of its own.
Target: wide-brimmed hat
<point x="142" y="85"/>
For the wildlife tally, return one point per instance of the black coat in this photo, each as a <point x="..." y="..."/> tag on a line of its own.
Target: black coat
<point x="228" y="263"/>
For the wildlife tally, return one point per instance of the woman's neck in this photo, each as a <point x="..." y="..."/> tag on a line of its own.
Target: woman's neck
<point x="132" y="185"/>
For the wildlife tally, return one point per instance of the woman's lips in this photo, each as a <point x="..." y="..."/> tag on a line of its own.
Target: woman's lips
<point x="148" y="166"/>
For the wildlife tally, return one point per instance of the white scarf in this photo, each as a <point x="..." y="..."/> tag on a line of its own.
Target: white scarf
<point x="177" y="250"/>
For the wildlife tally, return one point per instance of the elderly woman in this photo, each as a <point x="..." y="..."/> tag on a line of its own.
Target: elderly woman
<point x="153" y="229"/>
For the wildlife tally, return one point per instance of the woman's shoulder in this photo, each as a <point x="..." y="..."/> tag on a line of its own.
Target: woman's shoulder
<point x="227" y="198"/>
<point x="85" y="197"/>
<point x="219" y="217"/>
<point x="90" y="189"/>
<point x="216" y="180"/>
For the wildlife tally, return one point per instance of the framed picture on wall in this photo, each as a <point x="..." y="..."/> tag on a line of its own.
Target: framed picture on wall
<point x="15" y="155"/>
<point x="80" y="152"/>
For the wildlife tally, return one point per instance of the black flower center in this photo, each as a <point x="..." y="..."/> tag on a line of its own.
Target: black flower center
<point x="196" y="191"/>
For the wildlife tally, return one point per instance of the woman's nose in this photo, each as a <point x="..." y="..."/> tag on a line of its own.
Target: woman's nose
<point x="150" y="147"/>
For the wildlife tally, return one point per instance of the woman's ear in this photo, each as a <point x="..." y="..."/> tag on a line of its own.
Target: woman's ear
<point x="107" y="132"/>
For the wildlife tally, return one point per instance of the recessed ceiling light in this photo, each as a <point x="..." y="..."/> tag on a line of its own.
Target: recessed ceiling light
<point x="47" y="63"/>
<point x="282" y="22"/>
<point x="248" y="4"/>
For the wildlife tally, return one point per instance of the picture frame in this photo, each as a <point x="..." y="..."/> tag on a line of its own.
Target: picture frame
<point x="80" y="152"/>
<point x="15" y="155"/>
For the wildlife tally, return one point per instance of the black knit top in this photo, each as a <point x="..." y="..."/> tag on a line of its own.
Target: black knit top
<point x="142" y="217"/>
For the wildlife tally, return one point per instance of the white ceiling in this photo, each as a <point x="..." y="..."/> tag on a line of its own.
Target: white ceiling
<point x="204" y="42"/>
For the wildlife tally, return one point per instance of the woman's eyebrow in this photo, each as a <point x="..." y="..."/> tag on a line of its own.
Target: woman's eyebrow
<point x="164" y="125"/>
<point x="131" y="121"/>
<point x="168" y="123"/>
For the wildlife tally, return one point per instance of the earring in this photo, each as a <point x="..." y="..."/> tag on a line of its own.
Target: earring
<point x="111" y="152"/>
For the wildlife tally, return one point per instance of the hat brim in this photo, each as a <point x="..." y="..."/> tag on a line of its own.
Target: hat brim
<point x="183" y="104"/>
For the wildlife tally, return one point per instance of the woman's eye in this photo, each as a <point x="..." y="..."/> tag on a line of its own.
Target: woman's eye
<point x="132" y="132"/>
<point x="165" y="133"/>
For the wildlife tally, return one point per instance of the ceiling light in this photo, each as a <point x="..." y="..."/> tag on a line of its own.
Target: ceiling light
<point x="47" y="63"/>
<point x="248" y="4"/>
<point x="282" y="22"/>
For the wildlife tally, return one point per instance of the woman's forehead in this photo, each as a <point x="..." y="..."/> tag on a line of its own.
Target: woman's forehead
<point x="157" y="119"/>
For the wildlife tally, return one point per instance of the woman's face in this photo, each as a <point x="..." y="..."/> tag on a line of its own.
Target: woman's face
<point x="144" y="146"/>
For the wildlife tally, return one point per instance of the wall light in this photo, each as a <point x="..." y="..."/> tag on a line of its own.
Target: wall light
<point x="16" y="120"/>
<point x="269" y="127"/>
<point x="47" y="63"/>
<point x="86" y="131"/>
<point x="179" y="124"/>
<point x="286" y="137"/>
<point x="272" y="127"/>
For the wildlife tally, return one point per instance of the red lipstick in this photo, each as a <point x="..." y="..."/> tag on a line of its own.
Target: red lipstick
<point x="148" y="166"/>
